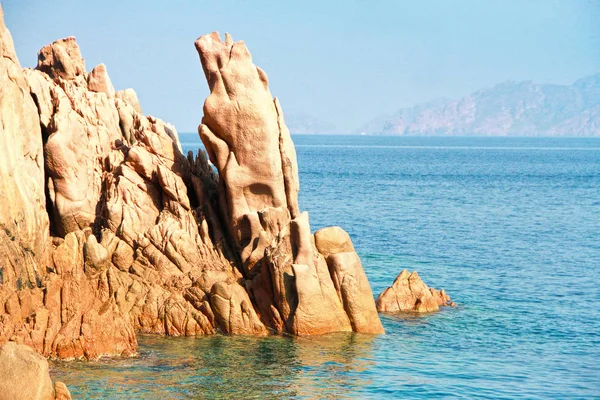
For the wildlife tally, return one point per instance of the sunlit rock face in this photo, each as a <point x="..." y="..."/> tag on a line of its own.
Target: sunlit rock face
<point x="24" y="238"/>
<point x="108" y="229"/>
<point x="135" y="241"/>
<point x="410" y="293"/>
<point x="24" y="375"/>
<point x="296" y="286"/>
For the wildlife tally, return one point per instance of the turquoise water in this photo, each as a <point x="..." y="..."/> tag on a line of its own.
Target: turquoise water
<point x="509" y="227"/>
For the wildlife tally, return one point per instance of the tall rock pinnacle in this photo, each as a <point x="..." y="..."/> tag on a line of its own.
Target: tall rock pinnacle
<point x="246" y="138"/>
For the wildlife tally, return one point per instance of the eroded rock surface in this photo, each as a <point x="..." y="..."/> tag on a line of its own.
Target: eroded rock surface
<point x="296" y="286"/>
<point x="349" y="278"/>
<point x="135" y="242"/>
<point x="410" y="293"/>
<point x="108" y="229"/>
<point x="24" y="237"/>
<point x="24" y="375"/>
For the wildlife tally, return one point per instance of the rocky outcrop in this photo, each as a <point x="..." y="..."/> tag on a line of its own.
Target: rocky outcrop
<point x="138" y="222"/>
<point x="24" y="237"/>
<point x="349" y="278"/>
<point x="297" y="286"/>
<point x="135" y="242"/>
<point x="24" y="375"/>
<point x="110" y="230"/>
<point x="409" y="293"/>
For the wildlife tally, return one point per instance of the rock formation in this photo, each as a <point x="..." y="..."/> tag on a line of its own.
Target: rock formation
<point x="24" y="375"/>
<point x="409" y="293"/>
<point x="23" y="220"/>
<point x="297" y="286"/>
<point x="134" y="244"/>
<point x="108" y="229"/>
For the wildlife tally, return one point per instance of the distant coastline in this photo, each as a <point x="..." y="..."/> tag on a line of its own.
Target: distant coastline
<point x="193" y="138"/>
<point x="508" y="109"/>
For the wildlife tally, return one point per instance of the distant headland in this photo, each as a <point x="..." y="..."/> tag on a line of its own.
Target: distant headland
<point x="506" y="109"/>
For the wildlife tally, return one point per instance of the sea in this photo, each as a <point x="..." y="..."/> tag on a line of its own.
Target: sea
<point x="510" y="227"/>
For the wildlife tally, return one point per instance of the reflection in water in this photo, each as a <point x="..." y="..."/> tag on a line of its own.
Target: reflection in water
<point x="227" y="367"/>
<point x="333" y="361"/>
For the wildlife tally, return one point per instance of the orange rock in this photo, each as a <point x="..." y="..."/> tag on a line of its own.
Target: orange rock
<point x="409" y="293"/>
<point x="122" y="174"/>
<point x="98" y="81"/>
<point x="24" y="237"/>
<point x="440" y="296"/>
<point x="333" y="240"/>
<point x="247" y="141"/>
<point x="353" y="288"/>
<point x="61" y="392"/>
<point x="244" y="132"/>
<point x="61" y="59"/>
<point x="349" y="278"/>
<point x="138" y="237"/>
<point x="24" y="374"/>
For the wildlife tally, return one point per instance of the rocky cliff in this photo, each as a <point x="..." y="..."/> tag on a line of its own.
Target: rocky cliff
<point x="108" y="229"/>
<point x="507" y="109"/>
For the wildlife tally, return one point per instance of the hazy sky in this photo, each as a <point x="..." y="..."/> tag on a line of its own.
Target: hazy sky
<point x="344" y="61"/>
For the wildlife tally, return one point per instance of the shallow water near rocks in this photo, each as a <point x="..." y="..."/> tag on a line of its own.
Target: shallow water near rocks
<point x="510" y="227"/>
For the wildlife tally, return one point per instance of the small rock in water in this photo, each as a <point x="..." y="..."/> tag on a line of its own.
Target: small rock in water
<point x="410" y="293"/>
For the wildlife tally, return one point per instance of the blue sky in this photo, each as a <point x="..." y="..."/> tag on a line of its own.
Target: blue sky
<point x="341" y="61"/>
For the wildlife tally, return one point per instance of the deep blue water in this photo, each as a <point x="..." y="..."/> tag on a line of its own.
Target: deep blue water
<point x="510" y="227"/>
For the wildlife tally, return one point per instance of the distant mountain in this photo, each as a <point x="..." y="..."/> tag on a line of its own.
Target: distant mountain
<point x="305" y="124"/>
<point x="507" y="109"/>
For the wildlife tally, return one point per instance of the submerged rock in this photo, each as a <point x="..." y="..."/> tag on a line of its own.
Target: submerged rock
<point x="409" y="293"/>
